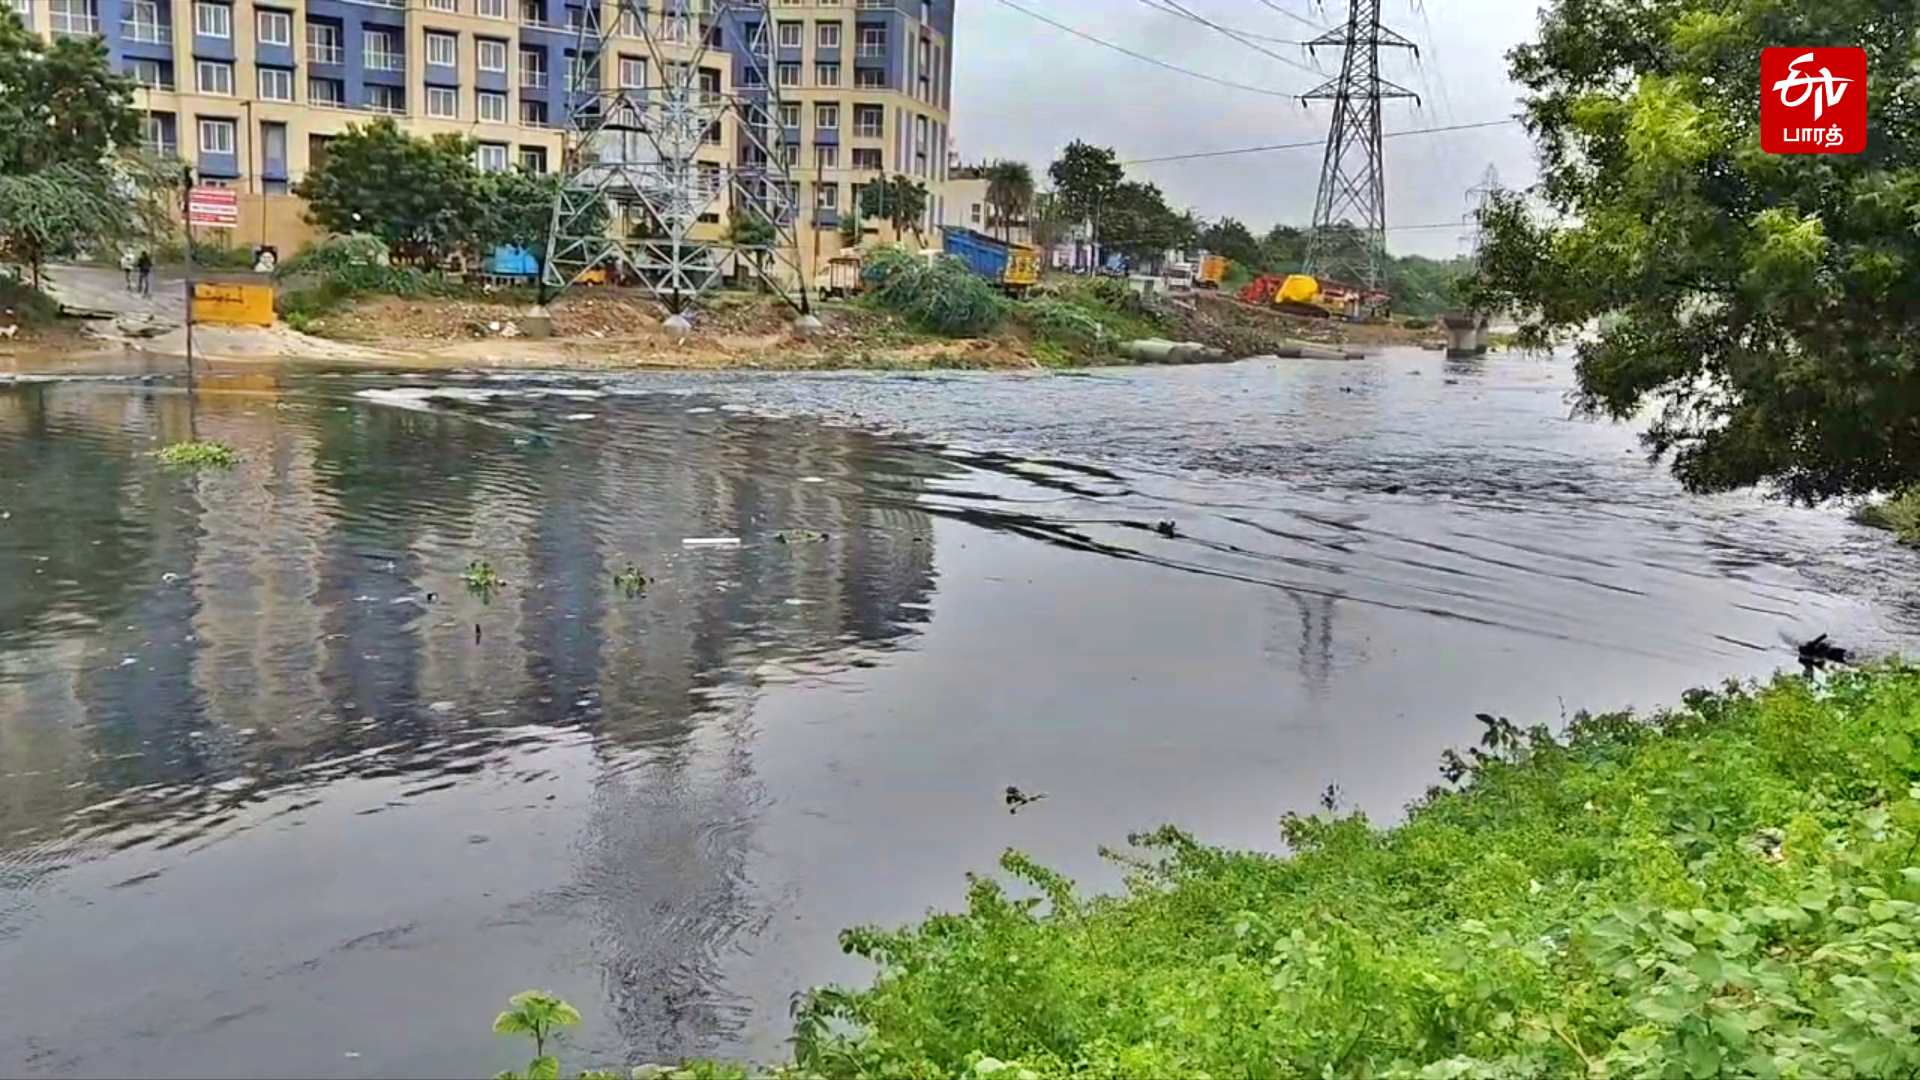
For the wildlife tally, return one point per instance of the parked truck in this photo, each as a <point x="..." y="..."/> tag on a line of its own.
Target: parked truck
<point x="840" y="277"/>
<point x="1015" y="268"/>
<point x="1210" y="271"/>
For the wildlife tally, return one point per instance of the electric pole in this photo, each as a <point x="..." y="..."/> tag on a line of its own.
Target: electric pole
<point x="1348" y="242"/>
<point x="1479" y="196"/>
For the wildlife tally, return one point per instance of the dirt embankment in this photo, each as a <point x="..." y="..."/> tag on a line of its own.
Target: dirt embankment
<point x="616" y="328"/>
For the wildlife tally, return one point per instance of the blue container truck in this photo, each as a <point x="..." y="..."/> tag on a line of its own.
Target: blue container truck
<point x="1013" y="267"/>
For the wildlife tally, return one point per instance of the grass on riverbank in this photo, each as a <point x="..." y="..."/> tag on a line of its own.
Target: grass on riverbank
<point x="1730" y="888"/>
<point x="1899" y="514"/>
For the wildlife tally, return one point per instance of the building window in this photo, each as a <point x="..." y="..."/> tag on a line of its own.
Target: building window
<point x="633" y="73"/>
<point x="792" y="35"/>
<point x="790" y="153"/>
<point x="216" y="136"/>
<point x="326" y="92"/>
<point x="490" y="107"/>
<point x="212" y="20"/>
<point x="533" y="12"/>
<point x="866" y="158"/>
<point x="490" y="55"/>
<point x="386" y="99"/>
<point x="533" y="113"/>
<point x="443" y="5"/>
<point x="72" y="18"/>
<point x="491" y="9"/>
<point x="826" y="117"/>
<point x="443" y="50"/>
<point x="789" y="114"/>
<point x="379" y="53"/>
<point x="273" y="28"/>
<point x="827" y="35"/>
<point x="213" y="77"/>
<point x="155" y="136"/>
<point x="533" y="68"/>
<point x="826" y="157"/>
<point x="442" y="103"/>
<point x="491" y="157"/>
<point x="920" y="132"/>
<point x="826" y="74"/>
<point x="868" y="120"/>
<point x="533" y="159"/>
<point x="142" y="22"/>
<point x="873" y="41"/>
<point x="787" y="74"/>
<point x="583" y="73"/>
<point x="973" y="214"/>
<point x="323" y="44"/>
<point x="826" y="196"/>
<point x="870" y="78"/>
<point x="276" y="84"/>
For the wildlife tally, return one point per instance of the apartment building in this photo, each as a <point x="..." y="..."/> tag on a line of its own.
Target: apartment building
<point x="250" y="91"/>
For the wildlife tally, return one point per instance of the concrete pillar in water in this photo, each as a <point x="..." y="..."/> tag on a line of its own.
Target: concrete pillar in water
<point x="1480" y="337"/>
<point x="1460" y="335"/>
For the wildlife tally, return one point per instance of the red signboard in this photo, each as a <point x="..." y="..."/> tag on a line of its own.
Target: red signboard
<point x="1813" y="101"/>
<point x="214" y="207"/>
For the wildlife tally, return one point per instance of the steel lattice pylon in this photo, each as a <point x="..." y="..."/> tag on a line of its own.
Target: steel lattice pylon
<point x="1479" y="196"/>
<point x="1349" y="238"/>
<point x="635" y="189"/>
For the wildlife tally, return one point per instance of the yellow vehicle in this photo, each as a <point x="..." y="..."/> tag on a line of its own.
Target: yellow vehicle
<point x="1211" y="271"/>
<point x="840" y="277"/>
<point x="1023" y="268"/>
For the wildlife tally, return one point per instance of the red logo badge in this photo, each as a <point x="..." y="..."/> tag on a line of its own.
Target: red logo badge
<point x="1813" y="101"/>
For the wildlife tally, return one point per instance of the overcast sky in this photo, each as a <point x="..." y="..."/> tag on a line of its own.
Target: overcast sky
<point x="1023" y="89"/>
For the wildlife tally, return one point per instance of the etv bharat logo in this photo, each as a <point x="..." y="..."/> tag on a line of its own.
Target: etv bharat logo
<point x="1813" y="101"/>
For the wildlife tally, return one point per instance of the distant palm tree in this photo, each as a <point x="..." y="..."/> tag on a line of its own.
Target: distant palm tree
<point x="1009" y="194"/>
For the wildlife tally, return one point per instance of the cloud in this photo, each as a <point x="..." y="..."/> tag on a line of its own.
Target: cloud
<point x="1023" y="89"/>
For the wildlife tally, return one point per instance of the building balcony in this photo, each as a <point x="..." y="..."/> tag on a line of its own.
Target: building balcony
<point x="385" y="61"/>
<point x="146" y="33"/>
<point x="326" y="54"/>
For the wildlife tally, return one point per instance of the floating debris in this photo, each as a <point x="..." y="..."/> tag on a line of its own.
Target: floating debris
<point x="198" y="455"/>
<point x="711" y="541"/>
<point x="1017" y="799"/>
<point x="480" y="578"/>
<point x="1167" y="529"/>
<point x="799" y="536"/>
<point x="630" y="581"/>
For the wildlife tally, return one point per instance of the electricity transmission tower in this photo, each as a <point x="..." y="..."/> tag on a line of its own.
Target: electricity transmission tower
<point x="1349" y="238"/>
<point x="635" y="189"/>
<point x="1479" y="195"/>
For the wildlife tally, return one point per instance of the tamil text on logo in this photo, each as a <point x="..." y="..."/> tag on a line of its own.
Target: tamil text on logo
<point x="1813" y="100"/>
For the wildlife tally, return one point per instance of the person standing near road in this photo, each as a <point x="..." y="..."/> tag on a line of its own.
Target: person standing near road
<point x="126" y="266"/>
<point x="145" y="266"/>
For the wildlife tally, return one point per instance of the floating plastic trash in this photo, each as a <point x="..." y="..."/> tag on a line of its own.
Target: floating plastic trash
<point x="711" y="541"/>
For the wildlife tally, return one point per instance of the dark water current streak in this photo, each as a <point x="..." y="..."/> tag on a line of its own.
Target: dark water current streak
<point x="270" y="778"/>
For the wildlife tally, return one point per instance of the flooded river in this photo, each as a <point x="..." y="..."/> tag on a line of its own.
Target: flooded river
<point x="279" y="797"/>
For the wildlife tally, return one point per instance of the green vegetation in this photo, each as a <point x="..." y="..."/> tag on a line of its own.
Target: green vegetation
<point x="426" y="199"/>
<point x="630" y="582"/>
<point x="1765" y="303"/>
<point x="900" y="201"/>
<point x="481" y="579"/>
<point x="66" y="189"/>
<point x="940" y="297"/>
<point x="1731" y="888"/>
<point x="198" y="455"/>
<point x="1898" y="513"/>
<point x="325" y="275"/>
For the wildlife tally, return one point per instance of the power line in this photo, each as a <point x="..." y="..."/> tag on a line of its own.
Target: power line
<point x="1314" y="144"/>
<point x="1301" y="19"/>
<point x="1143" y="57"/>
<point x="1174" y="8"/>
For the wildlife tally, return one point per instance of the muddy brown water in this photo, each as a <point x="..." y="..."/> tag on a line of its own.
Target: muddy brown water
<point x="269" y="807"/>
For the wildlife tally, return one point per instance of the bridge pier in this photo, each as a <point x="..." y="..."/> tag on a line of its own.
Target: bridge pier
<point x="1462" y="331"/>
<point x="1480" y="337"/>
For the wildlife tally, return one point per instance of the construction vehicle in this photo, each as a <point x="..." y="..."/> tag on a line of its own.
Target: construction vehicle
<point x="1014" y="268"/>
<point x="1303" y="294"/>
<point x="840" y="277"/>
<point x="1210" y="271"/>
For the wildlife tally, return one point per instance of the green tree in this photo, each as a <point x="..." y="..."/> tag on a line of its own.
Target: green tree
<point x="852" y="229"/>
<point x="750" y="231"/>
<point x="1086" y="179"/>
<point x="1283" y="249"/>
<point x="1046" y="222"/>
<point x="424" y="197"/>
<point x="65" y="122"/>
<point x="1234" y="240"/>
<point x="1009" y="194"/>
<point x="1768" y="304"/>
<point x="900" y="201"/>
<point x="1138" y="223"/>
<point x="515" y="208"/>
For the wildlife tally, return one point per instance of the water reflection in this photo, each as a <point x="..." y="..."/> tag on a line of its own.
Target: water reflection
<point x="177" y="648"/>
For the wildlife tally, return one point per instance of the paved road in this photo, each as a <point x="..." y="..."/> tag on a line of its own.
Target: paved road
<point x="91" y="289"/>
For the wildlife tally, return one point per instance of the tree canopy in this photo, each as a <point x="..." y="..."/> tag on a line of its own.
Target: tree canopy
<point x="1767" y="305"/>
<point x="900" y="201"/>
<point x="425" y="198"/>
<point x="66" y="126"/>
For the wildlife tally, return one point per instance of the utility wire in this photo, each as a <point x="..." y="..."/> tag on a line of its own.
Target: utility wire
<point x="1174" y="8"/>
<point x="1155" y="61"/>
<point x="1303" y="20"/>
<point x="1314" y="144"/>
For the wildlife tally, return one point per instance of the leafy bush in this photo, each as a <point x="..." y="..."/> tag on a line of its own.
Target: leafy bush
<point x="1416" y="322"/>
<point x="323" y="275"/>
<point x="1727" y="889"/>
<point x="1899" y="513"/>
<point x="942" y="297"/>
<point x="1068" y="323"/>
